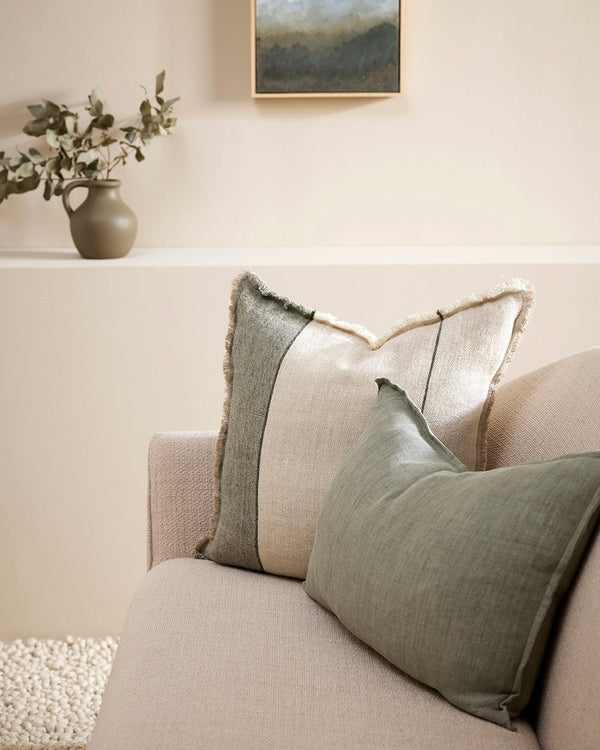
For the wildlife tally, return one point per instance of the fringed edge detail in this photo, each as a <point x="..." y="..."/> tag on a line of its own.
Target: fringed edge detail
<point x="216" y="510"/>
<point x="527" y="293"/>
<point x="267" y="292"/>
<point x="513" y="286"/>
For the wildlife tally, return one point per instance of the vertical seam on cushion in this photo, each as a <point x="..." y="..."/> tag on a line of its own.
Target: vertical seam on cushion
<point x="262" y="434"/>
<point x="435" y="348"/>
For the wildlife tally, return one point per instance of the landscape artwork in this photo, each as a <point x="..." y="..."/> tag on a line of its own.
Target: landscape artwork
<point x="326" y="47"/>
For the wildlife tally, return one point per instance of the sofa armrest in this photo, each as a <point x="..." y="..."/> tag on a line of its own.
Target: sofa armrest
<point x="543" y="414"/>
<point x="180" y="492"/>
<point x="548" y="412"/>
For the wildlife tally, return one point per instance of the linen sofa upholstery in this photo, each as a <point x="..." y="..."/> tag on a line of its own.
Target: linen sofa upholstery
<point x="548" y="412"/>
<point x="212" y="657"/>
<point x="180" y="488"/>
<point x="218" y="657"/>
<point x="541" y="415"/>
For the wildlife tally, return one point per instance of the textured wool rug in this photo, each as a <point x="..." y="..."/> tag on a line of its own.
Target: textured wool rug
<point x="50" y="691"/>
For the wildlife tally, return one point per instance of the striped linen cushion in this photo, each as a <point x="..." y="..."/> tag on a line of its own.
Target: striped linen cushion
<point x="300" y="387"/>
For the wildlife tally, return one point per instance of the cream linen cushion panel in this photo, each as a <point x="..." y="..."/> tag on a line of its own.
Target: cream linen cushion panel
<point x="300" y="388"/>
<point x="251" y="662"/>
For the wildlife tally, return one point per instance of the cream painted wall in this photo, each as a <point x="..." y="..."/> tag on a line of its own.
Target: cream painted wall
<point x="495" y="140"/>
<point x="95" y="358"/>
<point x="493" y="147"/>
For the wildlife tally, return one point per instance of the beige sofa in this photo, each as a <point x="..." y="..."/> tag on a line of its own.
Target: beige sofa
<point x="218" y="657"/>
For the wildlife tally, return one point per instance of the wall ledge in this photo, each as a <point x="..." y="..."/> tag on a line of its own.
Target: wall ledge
<point x="307" y="256"/>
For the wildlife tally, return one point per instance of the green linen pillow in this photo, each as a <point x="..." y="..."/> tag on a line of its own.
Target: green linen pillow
<point x="300" y="389"/>
<point x="454" y="576"/>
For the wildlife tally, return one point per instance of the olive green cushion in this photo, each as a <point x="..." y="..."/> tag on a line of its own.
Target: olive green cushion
<point x="452" y="575"/>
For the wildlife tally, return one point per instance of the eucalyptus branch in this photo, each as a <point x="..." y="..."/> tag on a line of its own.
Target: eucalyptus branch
<point x="71" y="154"/>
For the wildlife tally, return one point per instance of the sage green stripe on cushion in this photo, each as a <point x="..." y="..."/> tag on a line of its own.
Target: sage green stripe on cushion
<point x="264" y="331"/>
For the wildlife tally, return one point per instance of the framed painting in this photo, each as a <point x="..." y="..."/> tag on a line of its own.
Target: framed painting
<point x="326" y="48"/>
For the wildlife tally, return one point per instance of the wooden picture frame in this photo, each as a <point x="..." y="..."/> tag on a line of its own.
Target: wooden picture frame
<point x="324" y="48"/>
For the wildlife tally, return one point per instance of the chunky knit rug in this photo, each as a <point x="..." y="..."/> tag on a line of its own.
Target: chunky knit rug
<point x="50" y="691"/>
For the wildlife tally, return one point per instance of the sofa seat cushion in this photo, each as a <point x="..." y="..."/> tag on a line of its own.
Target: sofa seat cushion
<point x="219" y="658"/>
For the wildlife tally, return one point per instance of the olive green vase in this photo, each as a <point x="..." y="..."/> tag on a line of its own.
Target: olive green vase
<point x="102" y="227"/>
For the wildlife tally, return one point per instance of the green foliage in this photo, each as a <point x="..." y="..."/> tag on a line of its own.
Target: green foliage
<point x="67" y="153"/>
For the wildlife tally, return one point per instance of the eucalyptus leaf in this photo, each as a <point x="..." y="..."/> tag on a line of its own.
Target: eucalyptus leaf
<point x="48" y="190"/>
<point x="16" y="162"/>
<point x="94" y="171"/>
<point x="29" y="183"/>
<point x="52" y="139"/>
<point x="146" y="108"/>
<point x="52" y="165"/>
<point x="37" y="127"/>
<point x="97" y="100"/>
<point x="6" y="188"/>
<point x="37" y="110"/>
<point x="70" y="122"/>
<point x="160" y="83"/>
<point x="104" y="122"/>
<point x="166" y="106"/>
<point x="35" y="156"/>
<point x="50" y="108"/>
<point x="66" y="142"/>
<point x="25" y="170"/>
<point x="88" y="157"/>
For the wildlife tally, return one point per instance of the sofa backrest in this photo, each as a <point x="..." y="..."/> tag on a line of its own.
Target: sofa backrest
<point x="547" y="413"/>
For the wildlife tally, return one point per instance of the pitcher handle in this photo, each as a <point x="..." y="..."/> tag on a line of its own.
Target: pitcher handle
<point x="67" y="190"/>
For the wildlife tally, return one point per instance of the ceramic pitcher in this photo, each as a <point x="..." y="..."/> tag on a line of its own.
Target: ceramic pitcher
<point x="102" y="226"/>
